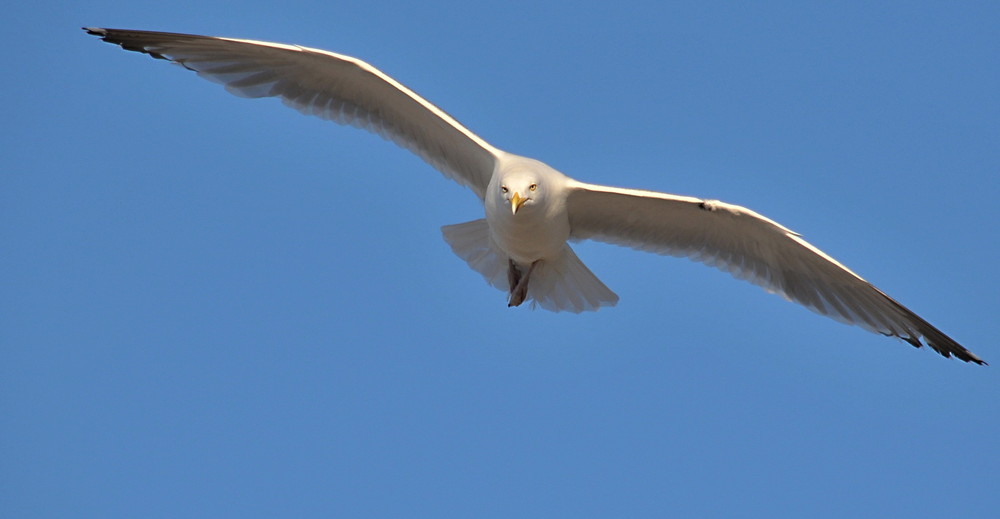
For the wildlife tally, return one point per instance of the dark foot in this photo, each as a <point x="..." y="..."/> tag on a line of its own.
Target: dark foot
<point x="513" y="275"/>
<point x="519" y="284"/>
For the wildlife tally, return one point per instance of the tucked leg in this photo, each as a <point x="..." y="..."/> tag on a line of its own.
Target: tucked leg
<point x="513" y="275"/>
<point x="518" y="283"/>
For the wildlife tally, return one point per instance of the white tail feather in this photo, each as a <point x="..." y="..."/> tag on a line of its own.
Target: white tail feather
<point x="471" y="242"/>
<point x="565" y="283"/>
<point x="556" y="284"/>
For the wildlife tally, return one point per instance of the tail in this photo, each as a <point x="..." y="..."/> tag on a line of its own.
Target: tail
<point x="556" y="284"/>
<point x="471" y="242"/>
<point x="565" y="283"/>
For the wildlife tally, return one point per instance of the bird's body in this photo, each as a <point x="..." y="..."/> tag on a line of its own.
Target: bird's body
<point x="532" y="210"/>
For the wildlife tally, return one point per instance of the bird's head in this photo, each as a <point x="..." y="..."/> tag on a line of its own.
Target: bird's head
<point x="520" y="190"/>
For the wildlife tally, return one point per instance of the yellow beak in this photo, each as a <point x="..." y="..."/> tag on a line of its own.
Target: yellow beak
<point x="516" y="202"/>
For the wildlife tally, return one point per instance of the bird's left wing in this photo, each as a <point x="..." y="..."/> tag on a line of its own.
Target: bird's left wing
<point x="333" y="86"/>
<point x="751" y="247"/>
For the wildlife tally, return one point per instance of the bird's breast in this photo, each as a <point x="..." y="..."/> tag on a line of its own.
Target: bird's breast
<point x="530" y="235"/>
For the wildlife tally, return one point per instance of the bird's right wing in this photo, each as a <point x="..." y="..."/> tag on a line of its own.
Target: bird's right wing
<point x="333" y="86"/>
<point x="751" y="247"/>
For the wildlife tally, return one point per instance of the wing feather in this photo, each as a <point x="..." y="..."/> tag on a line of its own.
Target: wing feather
<point x="328" y="85"/>
<point x="751" y="247"/>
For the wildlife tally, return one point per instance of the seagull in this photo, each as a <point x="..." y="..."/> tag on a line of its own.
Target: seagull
<point x="533" y="210"/>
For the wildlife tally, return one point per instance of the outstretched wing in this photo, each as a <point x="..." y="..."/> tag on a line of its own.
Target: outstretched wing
<point x="332" y="86"/>
<point x="751" y="247"/>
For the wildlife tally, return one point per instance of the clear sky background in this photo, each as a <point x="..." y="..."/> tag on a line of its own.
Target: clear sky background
<point x="213" y="306"/>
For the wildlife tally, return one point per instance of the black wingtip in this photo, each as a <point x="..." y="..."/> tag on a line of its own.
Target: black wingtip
<point x="951" y="349"/>
<point x="943" y="345"/>
<point x="136" y="41"/>
<point x="975" y="359"/>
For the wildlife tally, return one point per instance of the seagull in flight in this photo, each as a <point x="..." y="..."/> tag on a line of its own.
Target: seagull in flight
<point x="532" y="210"/>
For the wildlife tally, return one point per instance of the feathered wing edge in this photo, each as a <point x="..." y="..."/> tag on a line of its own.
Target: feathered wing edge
<point x="332" y="86"/>
<point x="750" y="247"/>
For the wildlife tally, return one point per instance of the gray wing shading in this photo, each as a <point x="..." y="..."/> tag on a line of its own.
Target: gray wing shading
<point x="751" y="247"/>
<point x="332" y="86"/>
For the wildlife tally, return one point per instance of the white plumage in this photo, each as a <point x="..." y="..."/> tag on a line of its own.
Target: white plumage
<point x="532" y="209"/>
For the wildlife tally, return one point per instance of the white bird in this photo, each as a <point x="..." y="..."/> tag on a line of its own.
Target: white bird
<point x="532" y="210"/>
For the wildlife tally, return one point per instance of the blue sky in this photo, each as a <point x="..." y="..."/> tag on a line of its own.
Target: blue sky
<point x="215" y="307"/>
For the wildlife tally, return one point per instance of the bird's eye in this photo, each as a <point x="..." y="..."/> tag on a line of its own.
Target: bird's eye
<point x="503" y="189"/>
<point x="533" y="187"/>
